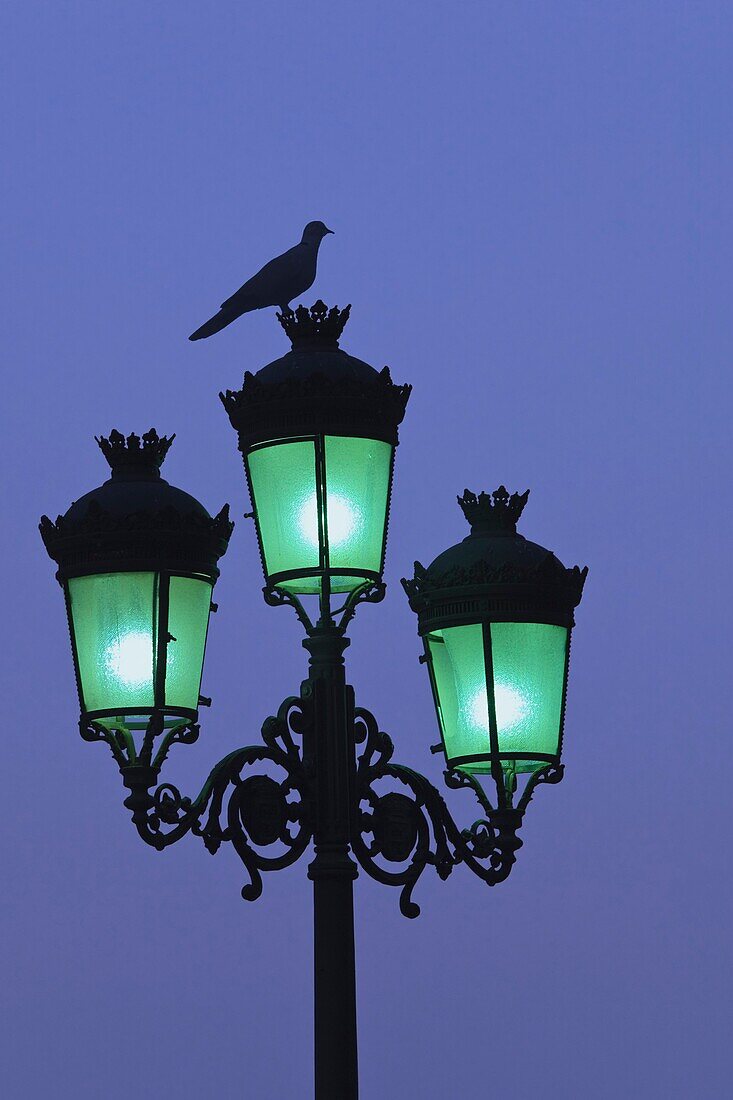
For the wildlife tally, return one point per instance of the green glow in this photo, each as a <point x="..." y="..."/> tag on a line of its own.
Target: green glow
<point x="511" y="707"/>
<point x="357" y="473"/>
<point x="189" y="603"/>
<point x="531" y="656"/>
<point x="283" y="479"/>
<point x="112" y="616"/>
<point x="460" y="676"/>
<point x="354" y="491"/>
<point x="342" y="520"/>
<point x="127" y="660"/>
<point x="115" y="619"/>
<point x="528" y="672"/>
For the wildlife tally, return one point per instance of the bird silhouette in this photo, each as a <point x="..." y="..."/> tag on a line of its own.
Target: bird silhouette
<point x="276" y="284"/>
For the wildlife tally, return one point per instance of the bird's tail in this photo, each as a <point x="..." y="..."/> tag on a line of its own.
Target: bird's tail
<point x="216" y="323"/>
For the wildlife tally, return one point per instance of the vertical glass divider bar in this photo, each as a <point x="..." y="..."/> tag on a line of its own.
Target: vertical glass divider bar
<point x="497" y="773"/>
<point x="161" y="638"/>
<point x="256" y="517"/>
<point x="561" y="731"/>
<point x="74" y="651"/>
<point x="322" y="509"/>
<point x="387" y="507"/>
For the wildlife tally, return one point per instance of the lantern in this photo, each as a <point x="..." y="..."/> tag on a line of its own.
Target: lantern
<point x="137" y="563"/>
<point x="317" y="431"/>
<point x="495" y="614"/>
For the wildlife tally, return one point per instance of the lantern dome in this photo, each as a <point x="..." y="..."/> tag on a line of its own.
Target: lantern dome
<point x="136" y="519"/>
<point x="494" y="569"/>
<point x="316" y="388"/>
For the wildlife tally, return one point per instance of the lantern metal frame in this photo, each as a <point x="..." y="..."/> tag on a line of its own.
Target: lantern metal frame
<point x="324" y="569"/>
<point x="495" y="758"/>
<point x="315" y="391"/>
<point x="168" y="712"/>
<point x="95" y="539"/>
<point x="472" y="585"/>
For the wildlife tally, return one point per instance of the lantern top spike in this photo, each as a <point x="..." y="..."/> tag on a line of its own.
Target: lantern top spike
<point x="494" y="513"/>
<point x="141" y="455"/>
<point x="317" y="326"/>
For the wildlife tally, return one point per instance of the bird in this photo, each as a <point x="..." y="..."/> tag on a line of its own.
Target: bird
<point x="275" y="284"/>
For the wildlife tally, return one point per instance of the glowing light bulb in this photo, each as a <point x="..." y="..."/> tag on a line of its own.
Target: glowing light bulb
<point x="511" y="707"/>
<point x="129" y="659"/>
<point x="342" y="520"/>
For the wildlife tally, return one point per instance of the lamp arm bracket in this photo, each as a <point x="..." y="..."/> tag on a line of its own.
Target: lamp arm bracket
<point x="277" y="597"/>
<point x="369" y="592"/>
<point x="267" y="819"/>
<point x="372" y="591"/>
<point x="401" y="819"/>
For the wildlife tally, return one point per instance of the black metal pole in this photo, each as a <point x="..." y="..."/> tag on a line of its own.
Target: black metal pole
<point x="330" y="756"/>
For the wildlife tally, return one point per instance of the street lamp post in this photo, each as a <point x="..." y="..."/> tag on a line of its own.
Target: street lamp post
<point x="138" y="560"/>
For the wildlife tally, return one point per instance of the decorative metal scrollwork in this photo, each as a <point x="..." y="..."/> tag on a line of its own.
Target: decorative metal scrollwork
<point x="408" y="829"/>
<point x="415" y="829"/>
<point x="371" y="591"/>
<point x="400" y="823"/>
<point x="251" y="810"/>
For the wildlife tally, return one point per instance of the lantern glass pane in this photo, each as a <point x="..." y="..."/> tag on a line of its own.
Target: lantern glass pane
<point x="349" y="540"/>
<point x="188" y="620"/>
<point x="529" y="672"/>
<point x="283" y="478"/>
<point x="459" y="673"/>
<point x="357" y="487"/>
<point x="113" y="619"/>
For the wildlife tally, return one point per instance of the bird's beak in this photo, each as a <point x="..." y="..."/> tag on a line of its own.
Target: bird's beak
<point x="330" y="231"/>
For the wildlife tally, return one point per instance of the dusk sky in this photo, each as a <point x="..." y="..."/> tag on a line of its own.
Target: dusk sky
<point x="532" y="213"/>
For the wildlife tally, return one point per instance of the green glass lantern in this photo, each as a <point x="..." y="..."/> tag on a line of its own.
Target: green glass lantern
<point x="318" y="430"/>
<point x="137" y="562"/>
<point x="495" y="613"/>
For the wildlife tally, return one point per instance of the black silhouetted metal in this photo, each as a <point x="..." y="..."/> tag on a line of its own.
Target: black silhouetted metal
<point x="137" y="522"/>
<point x="337" y="786"/>
<point x="276" y="284"/>
<point x="495" y="575"/>
<point x="323" y="773"/>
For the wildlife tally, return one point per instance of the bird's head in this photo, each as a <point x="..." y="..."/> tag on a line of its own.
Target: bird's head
<point x="314" y="232"/>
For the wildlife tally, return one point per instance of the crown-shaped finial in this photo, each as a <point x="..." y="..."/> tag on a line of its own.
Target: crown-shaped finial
<point x="493" y="513"/>
<point x="144" y="454"/>
<point x="318" y="325"/>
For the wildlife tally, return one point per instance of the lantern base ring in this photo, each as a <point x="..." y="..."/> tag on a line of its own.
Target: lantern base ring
<point x="371" y="591"/>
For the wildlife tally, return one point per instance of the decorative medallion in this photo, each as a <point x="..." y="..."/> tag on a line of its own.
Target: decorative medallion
<point x="395" y="825"/>
<point x="262" y="809"/>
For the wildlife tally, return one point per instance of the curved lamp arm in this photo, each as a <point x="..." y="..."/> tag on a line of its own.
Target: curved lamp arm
<point x="416" y="830"/>
<point x="368" y="592"/>
<point x="250" y="809"/>
<point x="394" y="834"/>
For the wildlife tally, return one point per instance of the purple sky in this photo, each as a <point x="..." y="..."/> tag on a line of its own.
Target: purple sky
<point x="533" y="223"/>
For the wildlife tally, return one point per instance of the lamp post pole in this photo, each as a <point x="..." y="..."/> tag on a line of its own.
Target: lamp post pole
<point x="329" y="751"/>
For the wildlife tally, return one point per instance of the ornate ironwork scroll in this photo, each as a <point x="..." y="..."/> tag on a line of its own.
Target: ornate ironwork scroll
<point x="369" y="592"/>
<point x="400" y="822"/>
<point x="247" y="808"/>
<point x="412" y="827"/>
